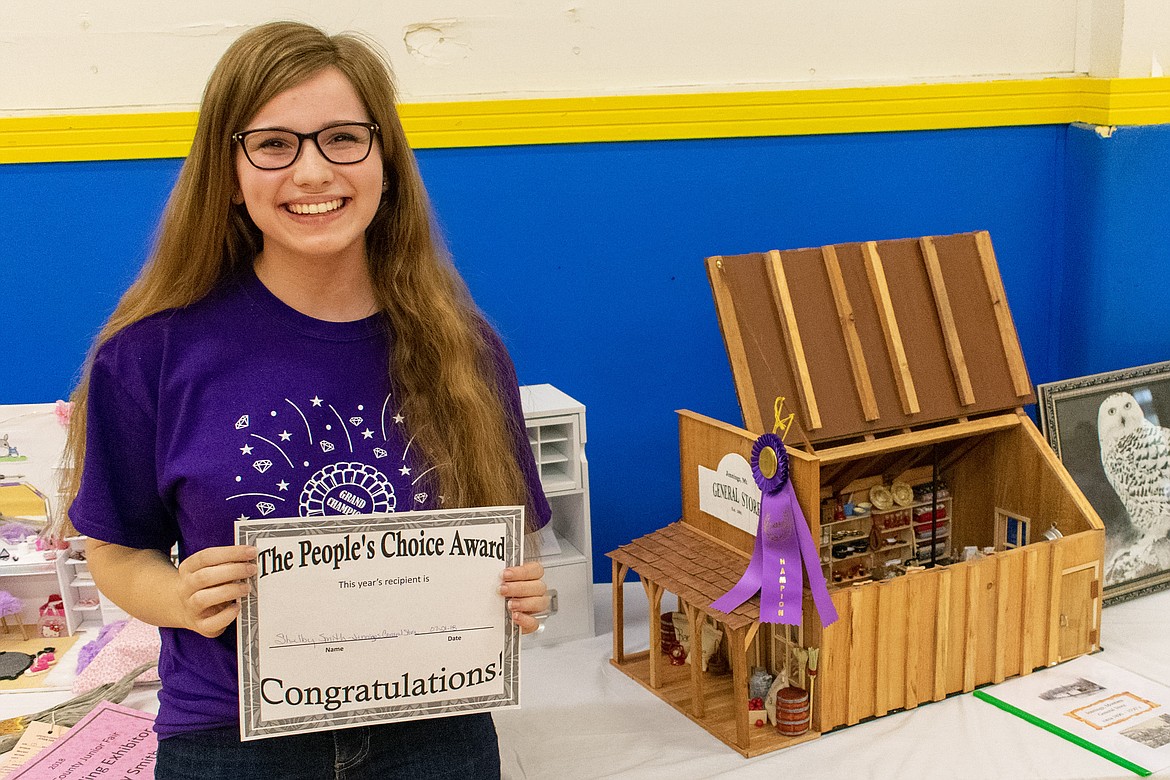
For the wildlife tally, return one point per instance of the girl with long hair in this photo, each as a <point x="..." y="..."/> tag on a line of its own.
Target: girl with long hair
<point x="298" y="296"/>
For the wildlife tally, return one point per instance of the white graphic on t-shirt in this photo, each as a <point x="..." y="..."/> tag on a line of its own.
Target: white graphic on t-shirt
<point x="242" y="423"/>
<point x="405" y="471"/>
<point x="384" y="405"/>
<point x="265" y="495"/>
<point x="274" y="445"/>
<point x="308" y="428"/>
<point x="343" y="428"/>
<point x="347" y="489"/>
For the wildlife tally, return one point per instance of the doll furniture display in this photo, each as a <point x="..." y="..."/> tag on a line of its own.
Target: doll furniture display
<point x="34" y="575"/>
<point x="890" y="364"/>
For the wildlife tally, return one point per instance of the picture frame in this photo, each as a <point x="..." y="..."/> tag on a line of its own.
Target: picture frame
<point x="1112" y="433"/>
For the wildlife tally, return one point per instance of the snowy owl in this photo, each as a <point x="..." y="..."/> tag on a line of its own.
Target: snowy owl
<point x="1135" y="454"/>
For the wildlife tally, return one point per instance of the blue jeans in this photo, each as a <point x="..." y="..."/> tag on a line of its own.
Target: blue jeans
<point x="461" y="747"/>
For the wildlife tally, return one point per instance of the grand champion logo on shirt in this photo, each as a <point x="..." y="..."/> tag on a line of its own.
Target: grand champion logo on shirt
<point x="280" y="449"/>
<point x="347" y="489"/>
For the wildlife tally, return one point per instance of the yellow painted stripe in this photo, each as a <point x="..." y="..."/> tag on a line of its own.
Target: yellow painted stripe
<point x="649" y="117"/>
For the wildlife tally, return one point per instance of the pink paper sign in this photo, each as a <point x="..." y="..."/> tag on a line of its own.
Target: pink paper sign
<point x="112" y="742"/>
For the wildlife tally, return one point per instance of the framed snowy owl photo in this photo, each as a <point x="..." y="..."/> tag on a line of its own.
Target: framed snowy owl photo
<point x="1112" y="432"/>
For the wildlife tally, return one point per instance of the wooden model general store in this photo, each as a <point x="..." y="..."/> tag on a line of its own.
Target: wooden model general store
<point x="957" y="549"/>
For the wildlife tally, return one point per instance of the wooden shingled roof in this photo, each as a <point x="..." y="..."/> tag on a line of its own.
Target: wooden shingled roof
<point x="691" y="565"/>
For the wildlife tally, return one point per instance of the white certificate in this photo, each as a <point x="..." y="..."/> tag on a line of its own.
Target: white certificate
<point x="363" y="619"/>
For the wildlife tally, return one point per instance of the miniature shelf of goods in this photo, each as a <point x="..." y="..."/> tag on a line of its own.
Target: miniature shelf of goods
<point x="947" y="547"/>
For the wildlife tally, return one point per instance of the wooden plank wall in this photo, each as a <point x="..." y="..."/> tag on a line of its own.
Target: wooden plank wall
<point x="1013" y="469"/>
<point x="924" y="636"/>
<point x="703" y="441"/>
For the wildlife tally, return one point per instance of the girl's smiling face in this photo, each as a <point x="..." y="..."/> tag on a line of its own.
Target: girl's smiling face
<point x="314" y="210"/>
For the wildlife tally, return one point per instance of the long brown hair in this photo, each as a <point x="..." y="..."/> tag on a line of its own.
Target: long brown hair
<point x="441" y="363"/>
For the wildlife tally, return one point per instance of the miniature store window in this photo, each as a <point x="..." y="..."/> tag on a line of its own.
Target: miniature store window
<point x="1011" y="530"/>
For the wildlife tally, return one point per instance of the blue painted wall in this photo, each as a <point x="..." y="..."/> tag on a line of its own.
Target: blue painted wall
<point x="1114" y="303"/>
<point x="589" y="260"/>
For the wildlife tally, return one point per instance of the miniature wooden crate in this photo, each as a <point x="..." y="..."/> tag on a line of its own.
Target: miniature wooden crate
<point x="900" y="363"/>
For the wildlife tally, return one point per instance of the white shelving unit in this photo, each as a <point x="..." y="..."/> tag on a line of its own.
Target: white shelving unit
<point x="556" y="433"/>
<point x="83" y="603"/>
<point x="31" y="576"/>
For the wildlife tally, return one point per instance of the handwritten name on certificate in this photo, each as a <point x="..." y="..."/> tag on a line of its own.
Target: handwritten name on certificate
<point x="367" y="619"/>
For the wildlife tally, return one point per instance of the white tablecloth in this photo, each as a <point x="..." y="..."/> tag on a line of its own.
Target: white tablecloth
<point x="582" y="718"/>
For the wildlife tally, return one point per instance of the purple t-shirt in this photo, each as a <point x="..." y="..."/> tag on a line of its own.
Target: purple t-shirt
<point x="241" y="407"/>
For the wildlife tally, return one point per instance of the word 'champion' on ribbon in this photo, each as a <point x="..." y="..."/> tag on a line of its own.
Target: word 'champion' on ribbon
<point x="783" y="542"/>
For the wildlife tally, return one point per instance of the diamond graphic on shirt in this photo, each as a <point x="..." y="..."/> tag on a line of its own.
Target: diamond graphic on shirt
<point x="347" y="489"/>
<point x="280" y="484"/>
<point x="242" y="423"/>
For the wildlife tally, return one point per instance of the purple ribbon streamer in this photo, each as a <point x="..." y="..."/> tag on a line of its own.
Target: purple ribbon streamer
<point x="784" y="548"/>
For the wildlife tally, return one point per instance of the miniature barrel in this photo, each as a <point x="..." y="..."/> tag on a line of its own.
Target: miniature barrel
<point x="792" y="711"/>
<point x="669" y="639"/>
<point x="670" y="645"/>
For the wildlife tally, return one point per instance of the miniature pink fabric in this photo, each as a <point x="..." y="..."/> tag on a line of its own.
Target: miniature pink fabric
<point x="90" y="650"/>
<point x="137" y="643"/>
<point x="9" y="604"/>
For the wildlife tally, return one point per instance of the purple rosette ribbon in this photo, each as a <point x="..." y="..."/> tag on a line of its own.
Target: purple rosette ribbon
<point x="784" y="548"/>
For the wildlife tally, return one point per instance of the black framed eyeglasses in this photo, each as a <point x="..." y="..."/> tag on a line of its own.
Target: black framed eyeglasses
<point x="271" y="149"/>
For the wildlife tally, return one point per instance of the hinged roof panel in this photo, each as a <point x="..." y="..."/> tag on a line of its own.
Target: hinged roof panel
<point x="869" y="337"/>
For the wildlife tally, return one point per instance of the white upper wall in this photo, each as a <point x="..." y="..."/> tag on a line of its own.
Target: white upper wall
<point x="90" y="56"/>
